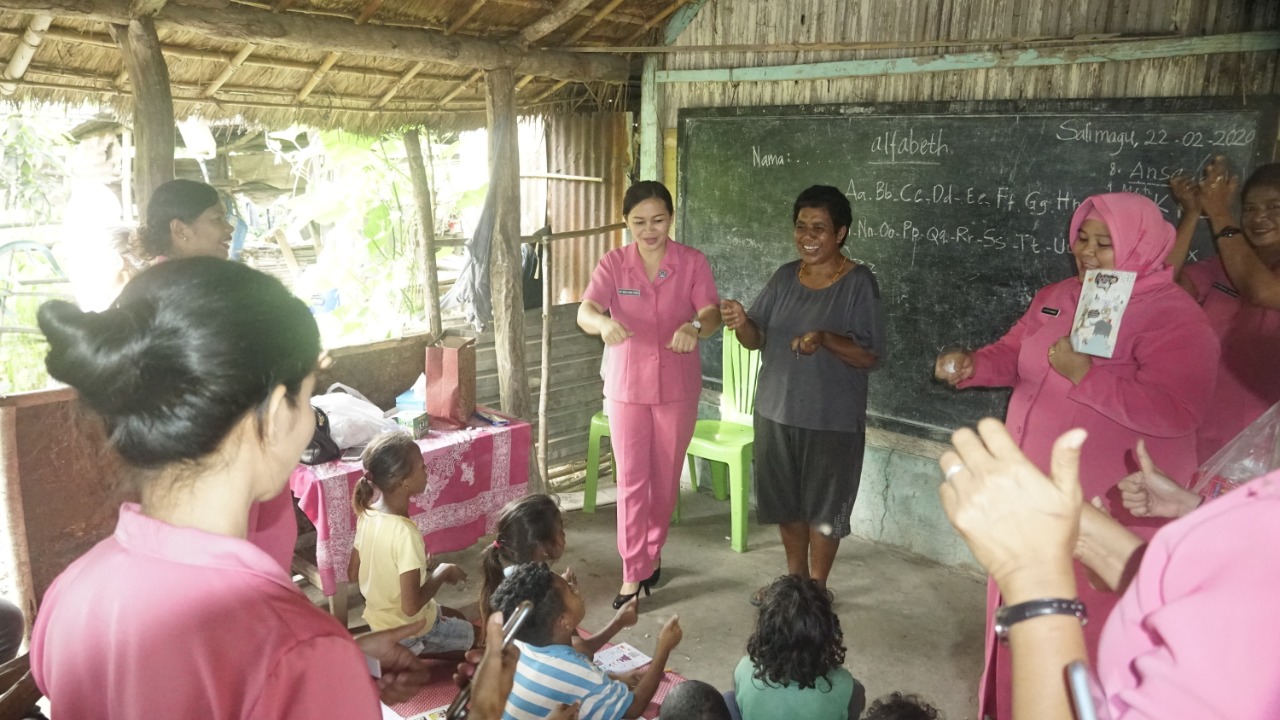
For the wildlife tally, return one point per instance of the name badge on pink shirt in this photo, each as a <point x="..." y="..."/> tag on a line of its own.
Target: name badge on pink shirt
<point x="628" y="291"/>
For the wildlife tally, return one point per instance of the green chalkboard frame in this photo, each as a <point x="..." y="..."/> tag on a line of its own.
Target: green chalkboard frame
<point x="971" y="404"/>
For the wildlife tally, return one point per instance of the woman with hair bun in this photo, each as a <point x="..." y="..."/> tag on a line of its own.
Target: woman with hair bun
<point x="200" y="375"/>
<point x="185" y="219"/>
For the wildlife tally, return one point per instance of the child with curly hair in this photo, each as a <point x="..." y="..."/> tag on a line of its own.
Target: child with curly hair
<point x="897" y="706"/>
<point x="793" y="663"/>
<point x="551" y="673"/>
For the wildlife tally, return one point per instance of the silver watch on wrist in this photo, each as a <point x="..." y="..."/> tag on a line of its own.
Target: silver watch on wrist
<point x="697" y="326"/>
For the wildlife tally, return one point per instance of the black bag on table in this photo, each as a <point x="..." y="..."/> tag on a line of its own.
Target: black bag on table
<point x="322" y="448"/>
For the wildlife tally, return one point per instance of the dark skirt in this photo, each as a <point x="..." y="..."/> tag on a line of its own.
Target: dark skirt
<point x="807" y="475"/>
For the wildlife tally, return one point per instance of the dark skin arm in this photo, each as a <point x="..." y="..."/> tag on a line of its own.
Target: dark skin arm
<point x="1248" y="273"/>
<point x="735" y="318"/>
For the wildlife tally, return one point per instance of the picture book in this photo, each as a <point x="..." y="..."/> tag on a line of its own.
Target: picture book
<point x="621" y="658"/>
<point x="1102" y="304"/>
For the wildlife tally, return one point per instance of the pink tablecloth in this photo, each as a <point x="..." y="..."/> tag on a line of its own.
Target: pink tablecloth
<point x="471" y="474"/>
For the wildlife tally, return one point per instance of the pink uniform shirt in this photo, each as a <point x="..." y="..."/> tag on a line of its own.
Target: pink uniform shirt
<point x="1157" y="387"/>
<point x="161" y="621"/>
<point x="641" y="369"/>
<point x="1248" y="382"/>
<point x="1197" y="635"/>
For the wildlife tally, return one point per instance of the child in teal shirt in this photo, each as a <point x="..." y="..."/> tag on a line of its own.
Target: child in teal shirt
<point x="793" y="664"/>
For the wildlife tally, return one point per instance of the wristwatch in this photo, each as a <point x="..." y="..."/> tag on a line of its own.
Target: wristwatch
<point x="1009" y="615"/>
<point x="1228" y="231"/>
<point x="697" y="326"/>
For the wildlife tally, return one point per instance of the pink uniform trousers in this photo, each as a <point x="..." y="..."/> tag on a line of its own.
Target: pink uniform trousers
<point x="649" y="444"/>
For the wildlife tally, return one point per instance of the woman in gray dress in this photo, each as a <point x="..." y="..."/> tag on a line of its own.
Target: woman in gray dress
<point x="819" y="324"/>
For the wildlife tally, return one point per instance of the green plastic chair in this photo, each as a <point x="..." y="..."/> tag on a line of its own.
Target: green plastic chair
<point x="729" y="443"/>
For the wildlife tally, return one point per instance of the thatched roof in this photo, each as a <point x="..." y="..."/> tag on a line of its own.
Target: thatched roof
<point x="277" y="84"/>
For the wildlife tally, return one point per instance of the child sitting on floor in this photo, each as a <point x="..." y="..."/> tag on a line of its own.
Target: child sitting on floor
<point x="551" y="672"/>
<point x="896" y="706"/>
<point x="694" y="700"/>
<point x="390" y="560"/>
<point x="793" y="663"/>
<point x="530" y="530"/>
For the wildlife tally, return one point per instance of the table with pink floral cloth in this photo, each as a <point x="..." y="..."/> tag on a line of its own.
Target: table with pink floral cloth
<point x="471" y="474"/>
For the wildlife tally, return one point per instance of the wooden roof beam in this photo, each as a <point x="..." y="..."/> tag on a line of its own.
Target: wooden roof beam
<point x="334" y="35"/>
<point x="618" y="17"/>
<point x="282" y="5"/>
<point x="27" y="46"/>
<point x="100" y="40"/>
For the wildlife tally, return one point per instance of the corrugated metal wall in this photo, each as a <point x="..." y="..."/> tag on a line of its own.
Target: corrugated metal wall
<point x="596" y="145"/>
<point x="755" y="21"/>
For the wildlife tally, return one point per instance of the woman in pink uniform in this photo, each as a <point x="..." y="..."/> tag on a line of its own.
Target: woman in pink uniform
<point x="200" y="374"/>
<point x="1156" y="387"/>
<point x="1239" y="291"/>
<point x="1193" y="635"/>
<point x="651" y="302"/>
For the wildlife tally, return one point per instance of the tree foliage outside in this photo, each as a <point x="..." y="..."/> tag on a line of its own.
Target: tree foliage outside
<point x="32" y="196"/>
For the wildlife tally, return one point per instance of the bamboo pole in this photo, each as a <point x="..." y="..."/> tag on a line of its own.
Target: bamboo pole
<point x="595" y="20"/>
<point x="993" y="43"/>
<point x="470" y="13"/>
<point x="229" y="70"/>
<point x="317" y="76"/>
<point x="563" y="13"/>
<point x="427" y="218"/>
<point x="408" y="76"/>
<point x="153" y="105"/>
<point x="423" y="107"/>
<point x="653" y="21"/>
<point x="368" y="11"/>
<point x="544" y="378"/>
<point x="27" y="46"/>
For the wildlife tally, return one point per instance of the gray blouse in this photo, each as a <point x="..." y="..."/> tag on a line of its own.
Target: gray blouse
<point x="818" y="392"/>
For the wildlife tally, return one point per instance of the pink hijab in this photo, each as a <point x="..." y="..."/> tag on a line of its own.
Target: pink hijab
<point x="1140" y="235"/>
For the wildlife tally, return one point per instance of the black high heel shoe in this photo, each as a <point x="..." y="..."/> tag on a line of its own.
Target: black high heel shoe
<point x="621" y="600"/>
<point x="655" y="577"/>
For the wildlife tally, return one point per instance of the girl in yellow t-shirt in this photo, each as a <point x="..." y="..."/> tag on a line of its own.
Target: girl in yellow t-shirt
<point x="390" y="560"/>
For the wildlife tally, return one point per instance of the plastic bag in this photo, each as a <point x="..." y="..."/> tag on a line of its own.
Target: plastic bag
<point x="1252" y="454"/>
<point x="353" y="420"/>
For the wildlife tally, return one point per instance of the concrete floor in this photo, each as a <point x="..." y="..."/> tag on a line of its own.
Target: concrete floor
<point x="910" y="625"/>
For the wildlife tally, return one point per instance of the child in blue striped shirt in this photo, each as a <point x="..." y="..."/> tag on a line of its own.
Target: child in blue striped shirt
<point x="551" y="672"/>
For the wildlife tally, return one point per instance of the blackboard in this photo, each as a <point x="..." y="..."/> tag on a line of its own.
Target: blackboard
<point x="960" y="209"/>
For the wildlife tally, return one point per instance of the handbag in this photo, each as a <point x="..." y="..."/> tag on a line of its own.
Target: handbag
<point x="322" y="448"/>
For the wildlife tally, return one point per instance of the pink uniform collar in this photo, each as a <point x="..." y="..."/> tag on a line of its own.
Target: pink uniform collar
<point x="146" y="535"/>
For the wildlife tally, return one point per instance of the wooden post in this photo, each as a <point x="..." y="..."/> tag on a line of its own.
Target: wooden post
<point x="504" y="254"/>
<point x="544" y="380"/>
<point x="650" y="137"/>
<point x="426" y="259"/>
<point x="152" y="106"/>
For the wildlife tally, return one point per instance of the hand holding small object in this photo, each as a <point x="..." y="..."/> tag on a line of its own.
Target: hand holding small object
<point x="402" y="674"/>
<point x="808" y="343"/>
<point x="953" y="367"/>
<point x="1217" y="188"/>
<point x="732" y="314"/>
<point x="1067" y="362"/>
